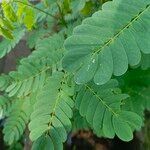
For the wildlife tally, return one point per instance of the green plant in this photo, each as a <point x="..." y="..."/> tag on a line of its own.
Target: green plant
<point x="94" y="76"/>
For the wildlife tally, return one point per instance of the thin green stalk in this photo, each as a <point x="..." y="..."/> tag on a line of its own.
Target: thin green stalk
<point x="35" y="8"/>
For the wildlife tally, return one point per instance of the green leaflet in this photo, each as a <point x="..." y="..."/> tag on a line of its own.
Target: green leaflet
<point x="139" y="100"/>
<point x="6" y="33"/>
<point x="29" y="18"/>
<point x="25" y="14"/>
<point x="52" y="112"/>
<point x="4" y="82"/>
<point x="6" y="26"/>
<point x="10" y="16"/>
<point x="35" y="36"/>
<point x="8" y="10"/>
<point x="32" y="71"/>
<point x="43" y="143"/>
<point x="49" y="50"/>
<point x="7" y="45"/>
<point x="15" y="124"/>
<point x="113" y="38"/>
<point x="101" y="106"/>
<point x="28" y="78"/>
<point x="136" y="83"/>
<point x="79" y="122"/>
<point x="76" y="7"/>
<point x="145" y="62"/>
<point x="5" y="105"/>
<point x="122" y="129"/>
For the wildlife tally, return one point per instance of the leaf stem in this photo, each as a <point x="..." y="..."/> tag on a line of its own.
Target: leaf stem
<point x="102" y="101"/>
<point x="17" y="1"/>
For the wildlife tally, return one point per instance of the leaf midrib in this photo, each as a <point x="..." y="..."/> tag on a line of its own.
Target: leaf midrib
<point x="102" y="101"/>
<point x="122" y="30"/>
<point x="55" y="107"/>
